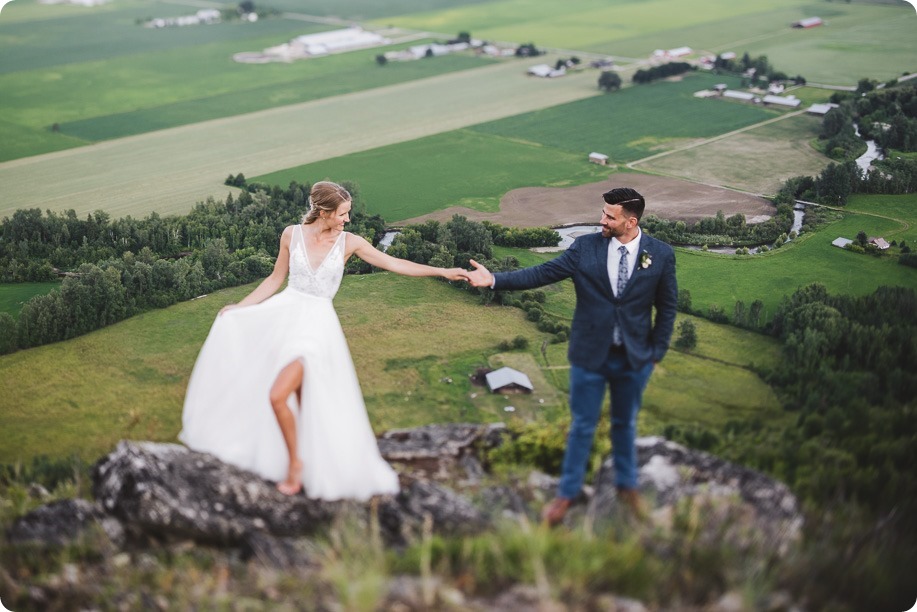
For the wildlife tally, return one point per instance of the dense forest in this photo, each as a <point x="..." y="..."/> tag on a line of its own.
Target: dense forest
<point x="114" y="269"/>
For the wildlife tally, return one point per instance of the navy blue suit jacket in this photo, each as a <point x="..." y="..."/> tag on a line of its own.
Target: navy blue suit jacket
<point x="597" y="308"/>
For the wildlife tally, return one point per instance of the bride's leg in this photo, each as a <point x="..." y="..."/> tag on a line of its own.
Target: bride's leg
<point x="288" y="381"/>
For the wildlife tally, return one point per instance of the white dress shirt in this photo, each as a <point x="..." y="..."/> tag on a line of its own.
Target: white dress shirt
<point x="614" y="257"/>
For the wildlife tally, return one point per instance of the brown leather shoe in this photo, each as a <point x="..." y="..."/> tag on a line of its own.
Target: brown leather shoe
<point x="633" y="502"/>
<point x="555" y="511"/>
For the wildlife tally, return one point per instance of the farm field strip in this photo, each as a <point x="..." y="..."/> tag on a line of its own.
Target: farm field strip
<point x="168" y="171"/>
<point x="713" y="139"/>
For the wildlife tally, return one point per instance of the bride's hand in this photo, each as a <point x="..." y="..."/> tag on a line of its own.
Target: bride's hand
<point x="226" y="308"/>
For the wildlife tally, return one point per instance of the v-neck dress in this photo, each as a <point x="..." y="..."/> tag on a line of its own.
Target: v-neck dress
<point x="227" y="410"/>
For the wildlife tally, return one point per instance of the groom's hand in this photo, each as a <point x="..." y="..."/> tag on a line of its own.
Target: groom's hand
<point x="480" y="276"/>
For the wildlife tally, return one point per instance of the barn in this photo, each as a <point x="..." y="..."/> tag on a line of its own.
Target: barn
<point x="508" y="380"/>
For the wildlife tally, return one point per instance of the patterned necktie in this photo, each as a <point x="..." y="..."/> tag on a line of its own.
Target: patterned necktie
<point x="622" y="282"/>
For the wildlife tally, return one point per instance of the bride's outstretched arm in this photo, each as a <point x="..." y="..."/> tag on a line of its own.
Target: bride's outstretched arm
<point x="359" y="246"/>
<point x="273" y="282"/>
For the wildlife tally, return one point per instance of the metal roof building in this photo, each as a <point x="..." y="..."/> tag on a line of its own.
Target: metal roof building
<point x="508" y="377"/>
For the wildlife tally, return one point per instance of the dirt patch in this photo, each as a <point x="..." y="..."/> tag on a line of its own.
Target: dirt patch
<point x="668" y="198"/>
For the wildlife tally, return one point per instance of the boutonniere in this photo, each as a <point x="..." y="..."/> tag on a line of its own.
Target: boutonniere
<point x="645" y="260"/>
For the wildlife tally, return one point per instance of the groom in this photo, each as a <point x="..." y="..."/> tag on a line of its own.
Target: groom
<point x="619" y="276"/>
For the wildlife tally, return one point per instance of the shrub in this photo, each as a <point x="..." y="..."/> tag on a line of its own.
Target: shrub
<point x="520" y="342"/>
<point x="687" y="335"/>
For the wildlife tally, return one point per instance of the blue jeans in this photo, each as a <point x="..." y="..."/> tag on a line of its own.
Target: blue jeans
<point x="587" y="392"/>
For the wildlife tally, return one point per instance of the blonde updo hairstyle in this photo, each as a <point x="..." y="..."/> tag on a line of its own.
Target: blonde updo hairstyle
<point x="325" y="196"/>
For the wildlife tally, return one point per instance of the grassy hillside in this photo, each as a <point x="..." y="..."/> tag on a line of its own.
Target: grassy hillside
<point x="128" y="380"/>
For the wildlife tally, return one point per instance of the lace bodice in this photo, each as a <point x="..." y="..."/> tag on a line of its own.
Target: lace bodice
<point x="323" y="281"/>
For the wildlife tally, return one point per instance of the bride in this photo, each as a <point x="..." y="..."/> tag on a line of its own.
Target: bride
<point x="274" y="389"/>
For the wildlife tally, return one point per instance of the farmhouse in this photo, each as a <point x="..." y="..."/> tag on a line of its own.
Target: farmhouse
<point x="880" y="242"/>
<point x="841" y="242"/>
<point x="508" y="380"/>
<point x="672" y="53"/>
<point x="775" y="88"/>
<point x="546" y="72"/>
<point x="202" y="17"/>
<point x="808" y="22"/>
<point x="598" y="158"/>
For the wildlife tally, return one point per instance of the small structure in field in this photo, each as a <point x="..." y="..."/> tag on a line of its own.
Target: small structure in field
<point x="808" y="22"/>
<point x="841" y="242"/>
<point x="545" y="71"/>
<point x="738" y="95"/>
<point x="598" y="158"/>
<point x="508" y="380"/>
<point x="788" y="101"/>
<point x="880" y="242"/>
<point x="821" y="109"/>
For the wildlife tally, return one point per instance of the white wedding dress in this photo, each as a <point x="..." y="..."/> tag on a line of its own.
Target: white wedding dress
<point x="227" y="411"/>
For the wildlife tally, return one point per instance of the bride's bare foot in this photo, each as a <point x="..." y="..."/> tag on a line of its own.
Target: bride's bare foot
<point x="293" y="484"/>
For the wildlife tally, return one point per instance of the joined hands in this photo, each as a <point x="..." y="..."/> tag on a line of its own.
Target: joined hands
<point x="480" y="276"/>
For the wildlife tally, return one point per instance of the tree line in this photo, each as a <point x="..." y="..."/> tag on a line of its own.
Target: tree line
<point x="758" y="69"/>
<point x="720" y="230"/>
<point x="36" y="246"/>
<point x="888" y="116"/>
<point x="648" y="75"/>
<point x="115" y="269"/>
<point x="838" y="181"/>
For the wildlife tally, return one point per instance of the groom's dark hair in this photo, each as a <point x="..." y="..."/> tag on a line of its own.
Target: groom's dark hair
<point x="629" y="199"/>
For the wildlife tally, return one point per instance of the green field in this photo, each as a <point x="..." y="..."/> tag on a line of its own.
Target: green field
<point x="137" y="93"/>
<point x="14" y="295"/>
<point x="634" y="122"/>
<point x="859" y="39"/>
<point x="475" y="167"/>
<point x="460" y="168"/>
<point x="331" y="76"/>
<point x="723" y="279"/>
<point x="584" y="24"/>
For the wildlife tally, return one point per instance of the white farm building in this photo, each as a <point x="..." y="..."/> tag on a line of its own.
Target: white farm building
<point x="315" y="45"/>
<point x="788" y="101"/>
<point x="347" y="39"/>
<point x="738" y="95"/>
<point x="545" y="71"/>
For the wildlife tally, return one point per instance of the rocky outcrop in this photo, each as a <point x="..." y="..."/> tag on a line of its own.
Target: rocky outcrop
<point x="65" y="521"/>
<point x="441" y="451"/>
<point x="741" y="507"/>
<point x="149" y="490"/>
<point x="169" y="490"/>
